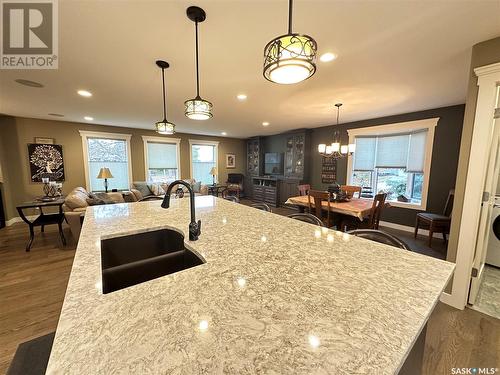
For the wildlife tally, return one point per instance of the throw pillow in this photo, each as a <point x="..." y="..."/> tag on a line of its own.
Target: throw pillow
<point x="142" y="186"/>
<point x="103" y="197"/>
<point x="156" y="189"/>
<point x="95" y="201"/>
<point x="129" y="197"/>
<point x="196" y="187"/>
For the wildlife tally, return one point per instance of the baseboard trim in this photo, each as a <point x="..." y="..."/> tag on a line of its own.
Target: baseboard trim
<point x="407" y="228"/>
<point x="17" y="219"/>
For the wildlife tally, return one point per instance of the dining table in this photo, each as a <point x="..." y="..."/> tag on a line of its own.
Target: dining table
<point x="357" y="207"/>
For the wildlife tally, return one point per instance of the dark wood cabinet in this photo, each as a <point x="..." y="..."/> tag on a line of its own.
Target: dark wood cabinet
<point x="266" y="190"/>
<point x="288" y="188"/>
<point x="254" y="156"/>
<point x="297" y="155"/>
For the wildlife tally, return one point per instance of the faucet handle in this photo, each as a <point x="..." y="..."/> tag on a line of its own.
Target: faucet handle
<point x="199" y="227"/>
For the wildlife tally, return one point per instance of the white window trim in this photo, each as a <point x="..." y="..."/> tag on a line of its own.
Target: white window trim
<point x="176" y="141"/>
<point x="203" y="142"/>
<point x="88" y="134"/>
<point x="401" y="127"/>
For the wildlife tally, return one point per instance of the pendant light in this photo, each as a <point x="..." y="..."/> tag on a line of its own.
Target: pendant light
<point x="197" y="108"/>
<point x="290" y="58"/>
<point x="336" y="150"/>
<point x="164" y="126"/>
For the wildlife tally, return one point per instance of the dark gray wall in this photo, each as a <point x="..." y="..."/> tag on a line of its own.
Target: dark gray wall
<point x="443" y="165"/>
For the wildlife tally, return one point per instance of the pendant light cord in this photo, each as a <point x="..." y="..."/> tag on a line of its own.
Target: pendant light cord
<point x="197" y="74"/>
<point x="164" y="95"/>
<point x="290" y="7"/>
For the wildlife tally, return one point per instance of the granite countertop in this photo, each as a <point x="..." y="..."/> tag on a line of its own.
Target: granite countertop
<point x="275" y="295"/>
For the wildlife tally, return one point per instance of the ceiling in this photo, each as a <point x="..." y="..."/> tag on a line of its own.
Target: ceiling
<point x="393" y="57"/>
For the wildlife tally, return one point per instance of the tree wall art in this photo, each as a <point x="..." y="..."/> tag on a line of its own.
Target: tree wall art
<point x="46" y="161"/>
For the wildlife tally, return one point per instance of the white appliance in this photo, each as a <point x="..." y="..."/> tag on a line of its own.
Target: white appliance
<point x="493" y="253"/>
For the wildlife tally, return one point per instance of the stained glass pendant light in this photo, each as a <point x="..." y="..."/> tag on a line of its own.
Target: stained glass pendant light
<point x="336" y="150"/>
<point x="164" y="126"/>
<point x="197" y="108"/>
<point x="290" y="58"/>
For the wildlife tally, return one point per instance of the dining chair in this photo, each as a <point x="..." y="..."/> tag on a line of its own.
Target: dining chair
<point x="261" y="206"/>
<point x="304" y="189"/>
<point x="232" y="198"/>
<point x="381" y="237"/>
<point x="308" y="218"/>
<point x="436" y="223"/>
<point x="351" y="190"/>
<point x="317" y="200"/>
<point x="373" y="219"/>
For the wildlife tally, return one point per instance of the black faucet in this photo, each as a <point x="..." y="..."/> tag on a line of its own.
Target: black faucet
<point x="194" y="227"/>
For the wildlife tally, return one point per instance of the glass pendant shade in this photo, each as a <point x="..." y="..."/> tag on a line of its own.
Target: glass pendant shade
<point x="328" y="150"/>
<point x="352" y="148"/>
<point x="198" y="109"/>
<point x="165" y="127"/>
<point x="321" y="148"/>
<point x="343" y="149"/>
<point x="290" y="59"/>
<point x="336" y="147"/>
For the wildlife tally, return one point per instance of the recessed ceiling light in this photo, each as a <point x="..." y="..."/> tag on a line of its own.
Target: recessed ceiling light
<point x="55" y="114"/>
<point x="224" y="133"/>
<point x="326" y="57"/>
<point x="265" y="123"/>
<point x="88" y="118"/>
<point x="29" y="83"/>
<point x="241" y="97"/>
<point x="85" y="93"/>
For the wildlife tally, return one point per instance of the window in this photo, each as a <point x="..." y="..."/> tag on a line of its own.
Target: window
<point x="161" y="157"/>
<point x="204" y="156"/>
<point x="106" y="150"/>
<point x="394" y="159"/>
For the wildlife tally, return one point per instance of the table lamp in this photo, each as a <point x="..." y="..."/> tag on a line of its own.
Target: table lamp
<point x="213" y="172"/>
<point x="105" y="173"/>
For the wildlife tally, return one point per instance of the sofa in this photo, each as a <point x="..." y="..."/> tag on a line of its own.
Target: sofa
<point x="77" y="201"/>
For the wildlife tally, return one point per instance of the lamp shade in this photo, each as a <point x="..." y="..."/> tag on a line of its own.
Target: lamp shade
<point x="104" y="173"/>
<point x="213" y="171"/>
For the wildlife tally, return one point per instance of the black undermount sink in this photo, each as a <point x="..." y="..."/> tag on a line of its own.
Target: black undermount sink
<point x="136" y="258"/>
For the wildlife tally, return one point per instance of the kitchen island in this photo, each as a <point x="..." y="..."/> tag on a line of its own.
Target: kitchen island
<point x="274" y="295"/>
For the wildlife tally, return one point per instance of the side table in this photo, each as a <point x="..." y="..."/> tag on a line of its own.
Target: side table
<point x="44" y="219"/>
<point x="215" y="190"/>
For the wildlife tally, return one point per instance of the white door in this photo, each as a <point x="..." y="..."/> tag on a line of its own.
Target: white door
<point x="492" y="171"/>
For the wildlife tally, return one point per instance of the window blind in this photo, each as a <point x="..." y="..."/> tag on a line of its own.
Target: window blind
<point x="162" y="155"/>
<point x="364" y="157"/>
<point x="391" y="151"/>
<point x="416" y="152"/>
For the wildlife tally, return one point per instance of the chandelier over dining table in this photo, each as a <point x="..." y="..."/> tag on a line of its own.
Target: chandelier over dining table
<point x="336" y="150"/>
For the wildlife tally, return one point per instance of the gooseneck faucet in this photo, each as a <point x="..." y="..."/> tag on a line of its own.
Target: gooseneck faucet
<point x="194" y="227"/>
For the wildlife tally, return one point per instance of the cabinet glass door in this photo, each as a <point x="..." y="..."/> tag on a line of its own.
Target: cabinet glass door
<point x="289" y="157"/>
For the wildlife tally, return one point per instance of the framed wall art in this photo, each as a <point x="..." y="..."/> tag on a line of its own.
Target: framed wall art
<point x="45" y="161"/>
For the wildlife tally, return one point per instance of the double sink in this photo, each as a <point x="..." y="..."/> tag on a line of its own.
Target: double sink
<point x="137" y="258"/>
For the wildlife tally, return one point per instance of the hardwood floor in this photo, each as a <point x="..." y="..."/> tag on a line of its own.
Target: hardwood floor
<point x="32" y="287"/>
